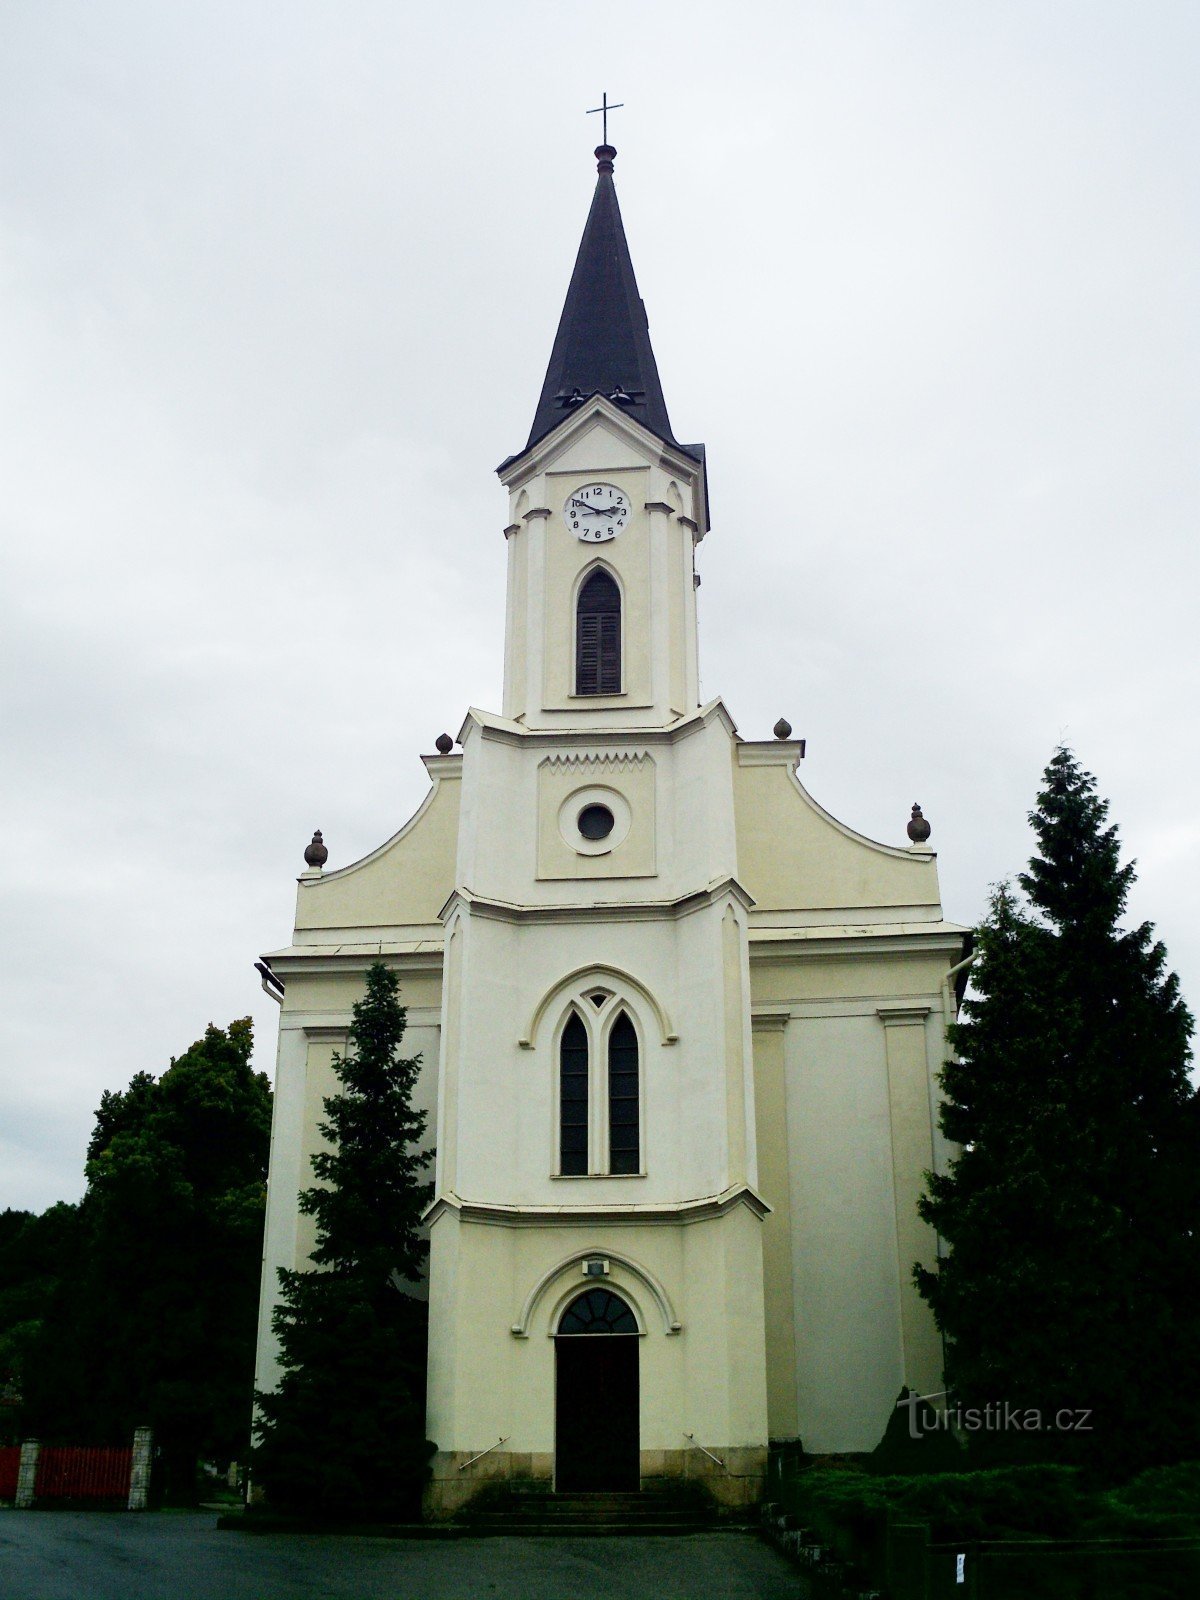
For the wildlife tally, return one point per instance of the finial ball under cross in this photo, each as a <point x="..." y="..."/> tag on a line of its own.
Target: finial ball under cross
<point x="604" y="108"/>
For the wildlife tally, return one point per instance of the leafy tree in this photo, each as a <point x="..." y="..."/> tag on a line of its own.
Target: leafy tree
<point x="344" y="1433"/>
<point x="1072" y="1208"/>
<point x="36" y="1253"/>
<point x="155" y="1319"/>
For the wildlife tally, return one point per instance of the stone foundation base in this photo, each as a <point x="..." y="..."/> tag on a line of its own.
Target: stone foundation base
<point x="738" y="1482"/>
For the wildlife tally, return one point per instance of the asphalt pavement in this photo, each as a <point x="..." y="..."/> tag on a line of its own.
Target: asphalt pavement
<point x="180" y="1555"/>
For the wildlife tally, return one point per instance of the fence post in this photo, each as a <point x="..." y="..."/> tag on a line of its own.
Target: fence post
<point x="26" y="1474"/>
<point x="139" y="1469"/>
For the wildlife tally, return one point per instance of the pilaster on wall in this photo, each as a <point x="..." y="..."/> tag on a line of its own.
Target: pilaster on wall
<point x="770" y="1103"/>
<point x="447" y="1144"/>
<point x="735" y="1065"/>
<point x="911" y="1117"/>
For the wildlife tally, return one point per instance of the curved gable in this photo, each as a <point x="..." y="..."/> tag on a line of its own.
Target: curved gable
<point x="794" y="856"/>
<point x="406" y="880"/>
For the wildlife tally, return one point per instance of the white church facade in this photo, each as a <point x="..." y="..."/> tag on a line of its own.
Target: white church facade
<point x="681" y="1028"/>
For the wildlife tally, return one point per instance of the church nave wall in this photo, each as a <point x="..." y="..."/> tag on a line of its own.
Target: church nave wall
<point x="852" y="1080"/>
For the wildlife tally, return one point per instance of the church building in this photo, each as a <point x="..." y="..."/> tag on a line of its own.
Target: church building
<point x="681" y="1028"/>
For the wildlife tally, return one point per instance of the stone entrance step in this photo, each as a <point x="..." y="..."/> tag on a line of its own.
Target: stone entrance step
<point x="529" y="1512"/>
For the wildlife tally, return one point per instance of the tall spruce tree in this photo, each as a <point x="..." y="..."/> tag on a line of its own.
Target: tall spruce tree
<point x="343" y="1435"/>
<point x="1073" y="1210"/>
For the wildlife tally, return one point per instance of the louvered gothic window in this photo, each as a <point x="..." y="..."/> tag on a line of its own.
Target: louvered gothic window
<point x="598" y="636"/>
<point x="573" y="1099"/>
<point x="623" y="1152"/>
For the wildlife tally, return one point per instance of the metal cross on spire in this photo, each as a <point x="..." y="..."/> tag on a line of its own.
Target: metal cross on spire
<point x="604" y="108"/>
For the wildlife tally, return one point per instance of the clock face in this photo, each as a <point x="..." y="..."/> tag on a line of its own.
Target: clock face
<point x="596" y="512"/>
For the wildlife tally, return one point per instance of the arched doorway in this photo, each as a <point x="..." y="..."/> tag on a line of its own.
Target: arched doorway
<point x="596" y="1443"/>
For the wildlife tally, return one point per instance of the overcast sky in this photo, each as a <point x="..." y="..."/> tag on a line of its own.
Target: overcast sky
<point x="278" y="285"/>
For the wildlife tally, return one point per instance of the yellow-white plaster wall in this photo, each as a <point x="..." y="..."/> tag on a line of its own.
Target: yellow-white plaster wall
<point x="706" y="1377"/>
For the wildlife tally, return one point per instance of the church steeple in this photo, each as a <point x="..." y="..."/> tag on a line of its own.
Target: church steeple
<point x="603" y="340"/>
<point x="605" y="510"/>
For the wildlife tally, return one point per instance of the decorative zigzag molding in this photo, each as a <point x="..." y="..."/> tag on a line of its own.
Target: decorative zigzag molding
<point x="615" y="758"/>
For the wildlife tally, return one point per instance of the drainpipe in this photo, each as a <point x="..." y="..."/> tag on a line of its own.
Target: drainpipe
<point x="949" y="1014"/>
<point x="949" y="996"/>
<point x="271" y="983"/>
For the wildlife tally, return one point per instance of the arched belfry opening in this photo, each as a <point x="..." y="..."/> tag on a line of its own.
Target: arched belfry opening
<point x="596" y="1435"/>
<point x="598" y="635"/>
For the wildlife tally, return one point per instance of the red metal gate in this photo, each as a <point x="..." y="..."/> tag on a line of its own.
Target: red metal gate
<point x="75" y="1472"/>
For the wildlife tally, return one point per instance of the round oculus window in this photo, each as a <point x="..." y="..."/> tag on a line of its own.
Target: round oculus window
<point x="596" y="822"/>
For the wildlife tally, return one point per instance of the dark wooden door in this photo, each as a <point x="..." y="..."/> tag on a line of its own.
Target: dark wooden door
<point x="596" y="1417"/>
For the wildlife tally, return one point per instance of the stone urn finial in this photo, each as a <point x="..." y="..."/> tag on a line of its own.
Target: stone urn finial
<point x="782" y="729"/>
<point x="444" y="744"/>
<point x="918" y="829"/>
<point x="316" y="855"/>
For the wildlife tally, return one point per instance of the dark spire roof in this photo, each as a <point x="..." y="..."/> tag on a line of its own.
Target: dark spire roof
<point x="603" y="340"/>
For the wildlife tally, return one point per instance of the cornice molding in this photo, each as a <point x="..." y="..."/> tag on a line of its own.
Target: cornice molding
<point x="505" y="731"/>
<point x="598" y="911"/>
<point x="313" y="960"/>
<point x="836" y="943"/>
<point x="769" y="1019"/>
<point x="666" y="1214"/>
<point x="893" y="1012"/>
<point x="443" y="767"/>
<point x="770" y="752"/>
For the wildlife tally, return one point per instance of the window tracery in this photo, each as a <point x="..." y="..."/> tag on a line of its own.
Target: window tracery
<point x="599" y="1102"/>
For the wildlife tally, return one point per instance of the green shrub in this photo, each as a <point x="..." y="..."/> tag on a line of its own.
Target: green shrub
<point x="1035" y="1500"/>
<point x="1042" y="1500"/>
<point x="848" y="1504"/>
<point x="1164" y="1489"/>
<point x="1161" y="1503"/>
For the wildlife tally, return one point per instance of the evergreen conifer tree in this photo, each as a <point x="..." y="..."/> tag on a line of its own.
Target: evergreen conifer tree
<point x="343" y="1435"/>
<point x="1071" y="1211"/>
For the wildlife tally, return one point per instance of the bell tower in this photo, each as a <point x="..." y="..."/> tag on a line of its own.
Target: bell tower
<point x="595" y="1094"/>
<point x="605" y="510"/>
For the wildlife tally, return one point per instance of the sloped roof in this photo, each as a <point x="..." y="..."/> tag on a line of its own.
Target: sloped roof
<point x="603" y="340"/>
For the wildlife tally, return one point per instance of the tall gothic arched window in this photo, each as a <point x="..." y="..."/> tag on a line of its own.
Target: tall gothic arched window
<point x="598" y="635"/>
<point x="624" y="1153"/>
<point x="573" y="1099"/>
